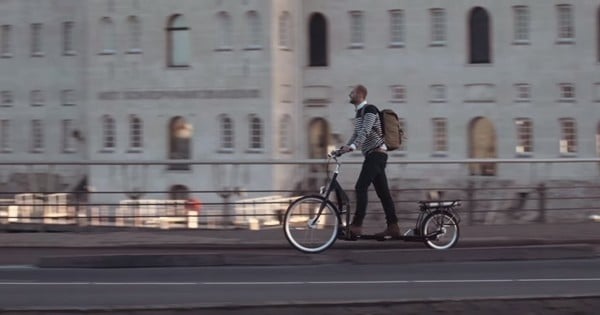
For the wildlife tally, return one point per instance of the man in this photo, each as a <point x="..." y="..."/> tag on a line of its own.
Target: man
<point x="368" y="137"/>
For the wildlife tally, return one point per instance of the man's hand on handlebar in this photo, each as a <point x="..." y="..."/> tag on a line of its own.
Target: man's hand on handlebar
<point x="340" y="151"/>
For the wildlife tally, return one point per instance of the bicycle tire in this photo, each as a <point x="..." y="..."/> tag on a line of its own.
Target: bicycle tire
<point x="448" y="222"/>
<point x="298" y="220"/>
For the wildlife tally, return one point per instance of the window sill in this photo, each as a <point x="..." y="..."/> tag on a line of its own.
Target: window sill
<point x="568" y="154"/>
<point x="107" y="150"/>
<point x="70" y="53"/>
<point x="69" y="151"/>
<point x="253" y="48"/>
<point x="438" y="101"/>
<point x="523" y="100"/>
<point x="135" y="150"/>
<point x="6" y="105"/>
<point x="437" y="44"/>
<point x="396" y="45"/>
<point x="6" y="55"/>
<point x="565" y="41"/>
<point x="37" y="151"/>
<point x="225" y="151"/>
<point x="356" y="46"/>
<point x="68" y="104"/>
<point x="37" y="54"/>
<point x="524" y="154"/>
<point x="224" y="49"/>
<point x="255" y="151"/>
<point x="107" y="52"/>
<point x="567" y="100"/>
<point x="37" y="105"/>
<point x="134" y="51"/>
<point x="6" y="150"/>
<point x="173" y="67"/>
<point x="397" y="101"/>
<point x="439" y="154"/>
<point x="284" y="48"/>
<point x="521" y="43"/>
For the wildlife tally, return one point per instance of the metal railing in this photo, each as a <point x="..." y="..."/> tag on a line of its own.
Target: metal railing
<point x="546" y="190"/>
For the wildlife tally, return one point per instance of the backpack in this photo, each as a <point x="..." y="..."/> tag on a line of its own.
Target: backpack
<point x="393" y="134"/>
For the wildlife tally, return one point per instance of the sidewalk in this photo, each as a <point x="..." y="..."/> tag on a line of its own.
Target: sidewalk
<point x="477" y="235"/>
<point x="101" y="248"/>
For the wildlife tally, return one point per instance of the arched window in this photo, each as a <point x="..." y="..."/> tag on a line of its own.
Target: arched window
<point x="109" y="36"/>
<point x="254" y="30"/>
<point x="598" y="34"/>
<point x="136" y="139"/>
<point x="180" y="135"/>
<point x="317" y="33"/>
<point x="178" y="42"/>
<point x="285" y="30"/>
<point x="256" y="133"/>
<point x="135" y="34"/>
<point x="226" y="124"/>
<point x="285" y="133"/>
<point x="482" y="145"/>
<point x="479" y="36"/>
<point x="225" y="39"/>
<point x="108" y="132"/>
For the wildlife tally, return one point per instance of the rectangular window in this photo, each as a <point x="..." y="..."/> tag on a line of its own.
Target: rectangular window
<point x="135" y="133"/>
<point x="37" y="98"/>
<point x="396" y="28"/>
<point x="37" y="136"/>
<point x="36" y="40"/>
<point x="567" y="92"/>
<point x="438" y="27"/>
<point x="67" y="97"/>
<point x="568" y="138"/>
<point x="357" y="29"/>
<point x="68" y="38"/>
<point x="440" y="136"/>
<point x="5" y="49"/>
<point x="524" y="136"/>
<point x="398" y="93"/>
<point x="5" y="136"/>
<point x="522" y="92"/>
<point x="521" y="24"/>
<point x="68" y="145"/>
<point x="438" y="93"/>
<point x="7" y="98"/>
<point x="566" y="29"/>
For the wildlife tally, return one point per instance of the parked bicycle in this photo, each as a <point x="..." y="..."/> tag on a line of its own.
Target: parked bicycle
<point x="313" y="223"/>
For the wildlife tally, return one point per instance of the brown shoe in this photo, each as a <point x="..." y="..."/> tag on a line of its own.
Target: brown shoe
<point x="392" y="230"/>
<point x="355" y="230"/>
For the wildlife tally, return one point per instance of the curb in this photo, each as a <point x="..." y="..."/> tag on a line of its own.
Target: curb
<point x="383" y="306"/>
<point x="374" y="256"/>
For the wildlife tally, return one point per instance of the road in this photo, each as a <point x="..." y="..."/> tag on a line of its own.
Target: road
<point x="33" y="287"/>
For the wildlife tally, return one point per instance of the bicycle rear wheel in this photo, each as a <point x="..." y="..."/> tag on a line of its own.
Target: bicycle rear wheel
<point x="308" y="229"/>
<point x="440" y="229"/>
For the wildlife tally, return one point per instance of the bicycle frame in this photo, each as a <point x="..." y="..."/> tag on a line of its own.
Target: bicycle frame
<point x="342" y="200"/>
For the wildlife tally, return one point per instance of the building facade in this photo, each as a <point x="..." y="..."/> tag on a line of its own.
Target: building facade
<point x="189" y="80"/>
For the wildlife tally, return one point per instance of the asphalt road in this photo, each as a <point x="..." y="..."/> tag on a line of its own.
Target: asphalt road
<point x="32" y="287"/>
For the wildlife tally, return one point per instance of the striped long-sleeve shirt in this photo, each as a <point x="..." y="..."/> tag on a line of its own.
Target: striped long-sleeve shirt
<point x="367" y="134"/>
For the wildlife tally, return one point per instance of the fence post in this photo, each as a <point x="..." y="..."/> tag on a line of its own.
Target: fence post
<point x="471" y="202"/>
<point x="541" y="190"/>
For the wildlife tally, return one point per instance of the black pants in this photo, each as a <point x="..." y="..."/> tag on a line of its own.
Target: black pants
<point x="373" y="171"/>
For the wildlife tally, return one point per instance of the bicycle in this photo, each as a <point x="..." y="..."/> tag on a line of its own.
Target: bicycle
<point x="320" y="220"/>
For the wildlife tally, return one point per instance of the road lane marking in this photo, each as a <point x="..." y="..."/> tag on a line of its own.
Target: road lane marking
<point x="266" y="283"/>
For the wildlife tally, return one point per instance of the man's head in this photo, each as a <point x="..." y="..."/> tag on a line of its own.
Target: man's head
<point x="358" y="94"/>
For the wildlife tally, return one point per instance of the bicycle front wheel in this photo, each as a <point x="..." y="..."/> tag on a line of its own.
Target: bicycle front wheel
<point x="441" y="230"/>
<point x="311" y="224"/>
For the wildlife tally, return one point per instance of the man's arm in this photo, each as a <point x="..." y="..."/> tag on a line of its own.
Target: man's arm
<point x="369" y="119"/>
